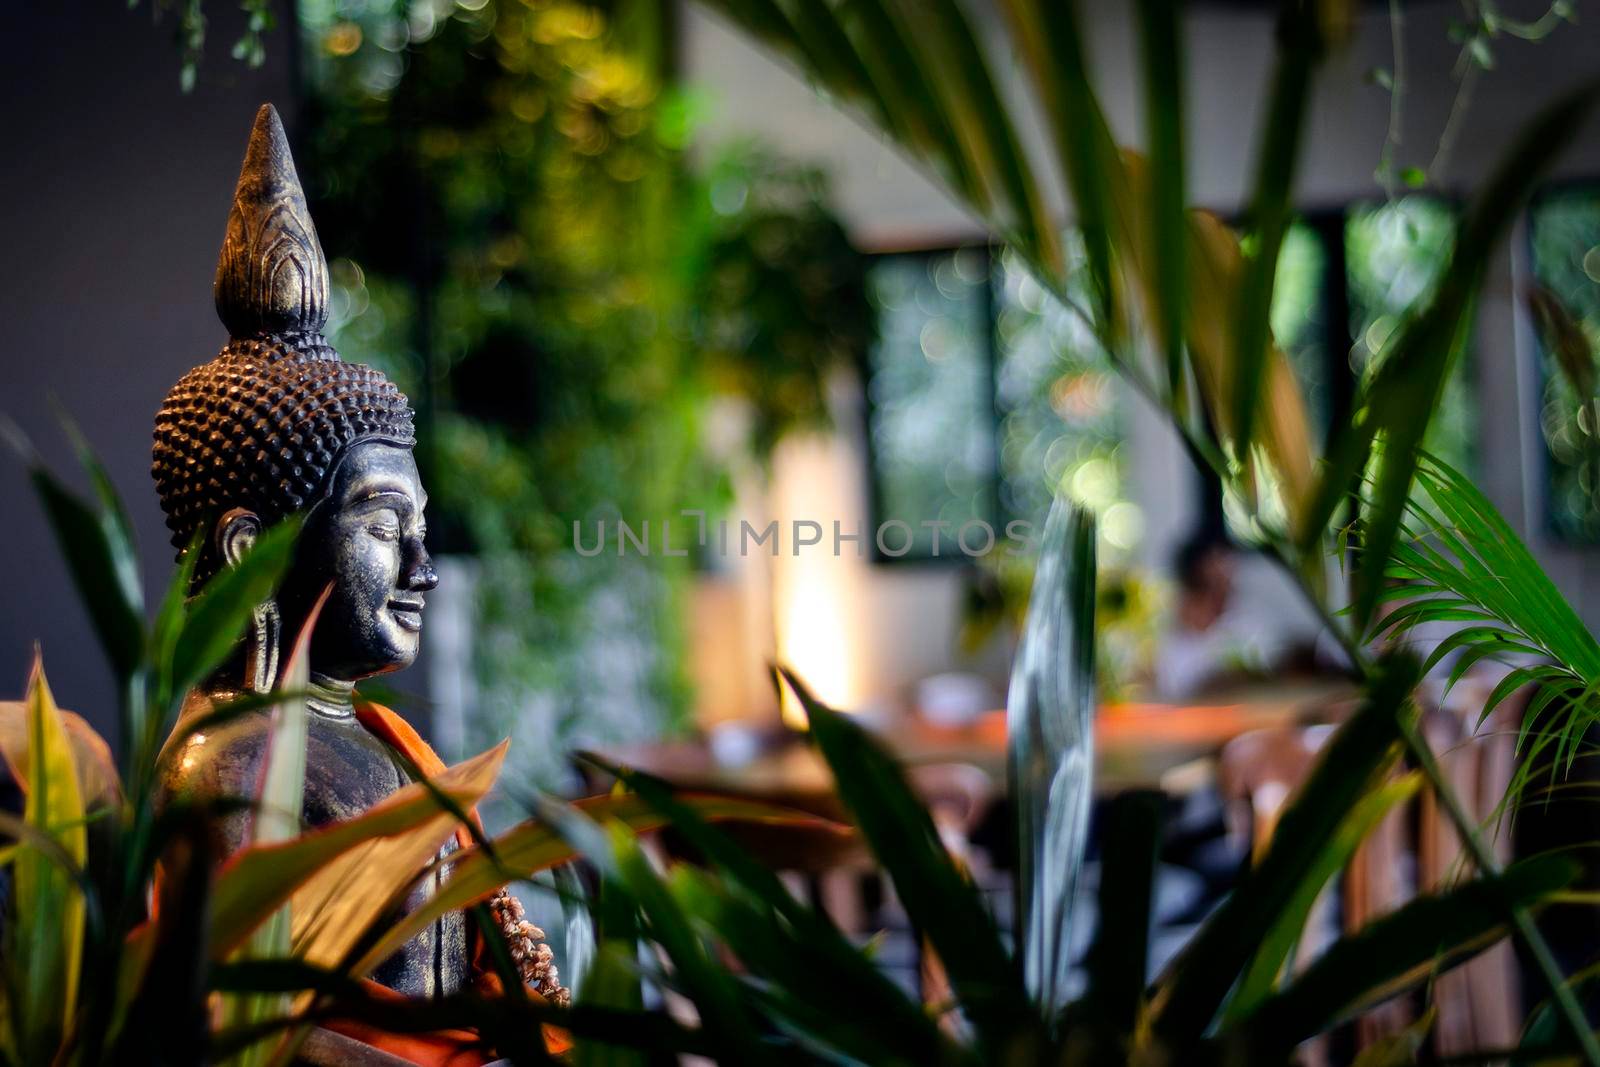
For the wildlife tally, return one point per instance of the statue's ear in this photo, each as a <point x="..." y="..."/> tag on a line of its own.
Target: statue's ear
<point x="236" y="534"/>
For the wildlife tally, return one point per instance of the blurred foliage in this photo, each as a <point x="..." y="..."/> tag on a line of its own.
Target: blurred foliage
<point x="930" y="390"/>
<point x="1298" y="308"/>
<point x="1482" y="28"/>
<point x="190" y="33"/>
<point x="1395" y="253"/>
<point x="1565" y="231"/>
<point x="1062" y="411"/>
<point x="568" y="303"/>
<point x="784" y="296"/>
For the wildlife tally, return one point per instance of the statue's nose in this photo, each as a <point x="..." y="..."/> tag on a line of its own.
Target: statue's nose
<point x="420" y="575"/>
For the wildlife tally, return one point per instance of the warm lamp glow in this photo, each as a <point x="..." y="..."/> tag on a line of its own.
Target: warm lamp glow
<point x="811" y="642"/>
<point x="814" y="593"/>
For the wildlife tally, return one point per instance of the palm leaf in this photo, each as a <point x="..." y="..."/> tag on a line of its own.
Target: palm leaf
<point x="1051" y="44"/>
<point x="45" y="932"/>
<point x="612" y="981"/>
<point x="1428" y="935"/>
<point x="983" y="124"/>
<point x="350" y="892"/>
<point x="114" y="516"/>
<point x="1355" y="760"/>
<point x="1461" y="561"/>
<point x="99" y="554"/>
<point x="256" y="881"/>
<point x="1216" y="272"/>
<point x="1261" y="979"/>
<point x="535" y="845"/>
<point x="1564" y="338"/>
<point x="163" y="967"/>
<point x="904" y="82"/>
<point x="863" y="53"/>
<point x="1161" y="29"/>
<point x="1411" y="377"/>
<point x="1270" y="211"/>
<point x="1049" y="725"/>
<point x="216" y="620"/>
<point x="784" y="941"/>
<point x="726" y="1020"/>
<point x="1117" y="960"/>
<point x="276" y="818"/>
<point x="939" y="900"/>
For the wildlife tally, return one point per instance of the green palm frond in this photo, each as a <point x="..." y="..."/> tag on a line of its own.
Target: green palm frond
<point x="1459" y="562"/>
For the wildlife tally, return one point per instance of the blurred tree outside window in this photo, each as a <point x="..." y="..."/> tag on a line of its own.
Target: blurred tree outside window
<point x="1060" y="411"/>
<point x="930" y="397"/>
<point x="986" y="397"/>
<point x="1299" y="317"/>
<point x="1389" y="255"/>
<point x="1395" y="252"/>
<point x="1565" y="233"/>
<point x="524" y="246"/>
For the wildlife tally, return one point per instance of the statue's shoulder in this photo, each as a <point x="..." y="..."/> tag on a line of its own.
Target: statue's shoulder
<point x="214" y="759"/>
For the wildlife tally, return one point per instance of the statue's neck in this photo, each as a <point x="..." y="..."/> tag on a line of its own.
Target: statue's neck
<point x="331" y="696"/>
<point x="263" y="659"/>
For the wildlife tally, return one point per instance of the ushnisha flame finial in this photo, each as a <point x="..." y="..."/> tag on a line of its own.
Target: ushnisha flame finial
<point x="272" y="279"/>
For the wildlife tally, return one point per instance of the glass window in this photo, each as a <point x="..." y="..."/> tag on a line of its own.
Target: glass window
<point x="1299" y="314"/>
<point x="1565" y="231"/>
<point x="1394" y="253"/>
<point x="930" y="397"/>
<point x="1058" y="404"/>
<point x="1299" y="327"/>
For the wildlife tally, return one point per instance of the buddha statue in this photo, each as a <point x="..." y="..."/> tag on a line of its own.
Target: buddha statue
<point x="278" y="425"/>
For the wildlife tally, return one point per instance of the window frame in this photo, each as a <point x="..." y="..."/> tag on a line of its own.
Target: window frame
<point x="1330" y="225"/>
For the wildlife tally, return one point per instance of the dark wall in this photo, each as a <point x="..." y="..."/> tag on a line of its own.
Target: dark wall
<point x="116" y="187"/>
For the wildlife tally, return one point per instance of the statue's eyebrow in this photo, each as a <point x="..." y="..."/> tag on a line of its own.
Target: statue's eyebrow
<point x="381" y="492"/>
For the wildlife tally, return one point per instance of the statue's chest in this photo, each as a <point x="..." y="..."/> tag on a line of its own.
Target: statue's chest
<point x="348" y="770"/>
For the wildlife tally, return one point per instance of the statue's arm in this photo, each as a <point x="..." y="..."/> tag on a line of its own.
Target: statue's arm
<point x="218" y="773"/>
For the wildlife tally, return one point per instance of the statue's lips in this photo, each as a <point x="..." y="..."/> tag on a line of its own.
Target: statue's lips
<point x="408" y="613"/>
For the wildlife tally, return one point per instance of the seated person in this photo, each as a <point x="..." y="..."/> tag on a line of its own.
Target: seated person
<point x="1236" y="615"/>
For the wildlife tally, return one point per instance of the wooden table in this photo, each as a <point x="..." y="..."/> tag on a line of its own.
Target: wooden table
<point x="1148" y="746"/>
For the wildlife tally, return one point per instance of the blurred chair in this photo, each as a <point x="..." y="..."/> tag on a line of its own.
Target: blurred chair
<point x="1477" y="1002"/>
<point x="957" y="796"/>
<point x="1414" y="849"/>
<point x="1257" y="774"/>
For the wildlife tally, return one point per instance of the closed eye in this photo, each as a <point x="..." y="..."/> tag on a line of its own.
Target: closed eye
<point x="385" y="524"/>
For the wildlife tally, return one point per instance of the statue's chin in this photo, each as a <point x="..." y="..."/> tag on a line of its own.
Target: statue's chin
<point x="397" y="659"/>
<point x="399" y="651"/>
<point x="403" y="646"/>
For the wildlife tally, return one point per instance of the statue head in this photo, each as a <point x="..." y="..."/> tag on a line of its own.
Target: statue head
<point x="278" y="425"/>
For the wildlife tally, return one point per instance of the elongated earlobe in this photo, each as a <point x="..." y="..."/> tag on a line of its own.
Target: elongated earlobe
<point x="235" y="536"/>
